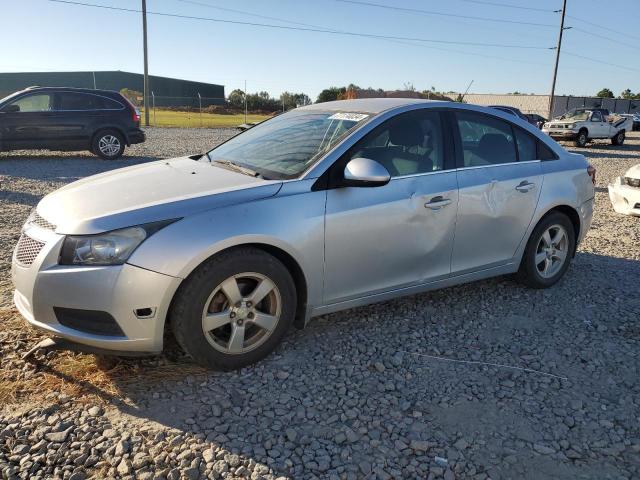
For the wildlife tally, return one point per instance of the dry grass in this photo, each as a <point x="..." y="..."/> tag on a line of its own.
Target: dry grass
<point x="74" y="374"/>
<point x="174" y="118"/>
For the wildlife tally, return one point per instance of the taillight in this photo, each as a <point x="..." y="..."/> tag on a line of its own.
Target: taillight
<point x="591" y="171"/>
<point x="135" y="113"/>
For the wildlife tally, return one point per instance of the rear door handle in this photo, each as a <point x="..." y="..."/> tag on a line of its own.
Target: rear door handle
<point x="436" y="203"/>
<point x="525" y="186"/>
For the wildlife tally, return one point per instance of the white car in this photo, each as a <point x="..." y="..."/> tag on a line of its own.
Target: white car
<point x="581" y="125"/>
<point x="624" y="192"/>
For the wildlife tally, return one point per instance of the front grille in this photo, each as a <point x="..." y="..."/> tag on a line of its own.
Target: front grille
<point x="27" y="249"/>
<point x="41" y="222"/>
<point x="632" y="182"/>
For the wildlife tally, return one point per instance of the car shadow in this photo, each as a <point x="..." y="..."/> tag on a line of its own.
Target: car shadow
<point x="323" y="384"/>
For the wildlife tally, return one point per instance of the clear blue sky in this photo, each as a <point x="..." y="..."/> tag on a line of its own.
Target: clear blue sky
<point x="39" y="35"/>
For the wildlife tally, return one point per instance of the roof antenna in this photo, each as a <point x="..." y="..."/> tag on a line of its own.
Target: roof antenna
<point x="465" y="92"/>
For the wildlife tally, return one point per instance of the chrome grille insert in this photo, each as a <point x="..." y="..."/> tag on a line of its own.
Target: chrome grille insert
<point x="27" y="250"/>
<point x="36" y="219"/>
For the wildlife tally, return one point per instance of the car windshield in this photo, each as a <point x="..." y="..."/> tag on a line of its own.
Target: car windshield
<point x="578" y="114"/>
<point x="284" y="146"/>
<point x="9" y="97"/>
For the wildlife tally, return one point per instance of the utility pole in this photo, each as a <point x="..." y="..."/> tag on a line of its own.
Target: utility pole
<point x="555" y="69"/>
<point x="245" y="101"/>
<point x="146" y="63"/>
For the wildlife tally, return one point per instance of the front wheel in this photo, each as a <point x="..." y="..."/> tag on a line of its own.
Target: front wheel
<point x="618" y="139"/>
<point x="582" y="139"/>
<point x="234" y="309"/>
<point x="548" y="252"/>
<point x="108" y="144"/>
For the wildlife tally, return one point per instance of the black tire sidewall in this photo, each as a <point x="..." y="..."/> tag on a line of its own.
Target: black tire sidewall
<point x="186" y="312"/>
<point x="579" y="142"/>
<point x="96" y="139"/>
<point x="620" y="138"/>
<point x="528" y="272"/>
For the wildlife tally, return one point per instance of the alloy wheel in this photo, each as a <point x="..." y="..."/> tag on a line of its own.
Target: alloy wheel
<point x="109" y="145"/>
<point x="241" y="313"/>
<point x="552" y="251"/>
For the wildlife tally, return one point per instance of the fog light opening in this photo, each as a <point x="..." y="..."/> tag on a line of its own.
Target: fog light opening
<point x="145" y="312"/>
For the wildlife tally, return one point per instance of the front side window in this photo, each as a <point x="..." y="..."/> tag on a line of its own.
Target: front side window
<point x="408" y="144"/>
<point x="40" y="102"/>
<point x="285" y="146"/>
<point x="485" y="140"/>
<point x="596" y="117"/>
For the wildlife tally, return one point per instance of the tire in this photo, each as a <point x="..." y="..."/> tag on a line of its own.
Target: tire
<point x="108" y="144"/>
<point x="205" y="298"/>
<point x="582" y="139"/>
<point x="531" y="272"/>
<point x="618" y="139"/>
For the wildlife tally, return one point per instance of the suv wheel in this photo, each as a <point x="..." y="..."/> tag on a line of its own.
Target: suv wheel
<point x="108" y="144"/>
<point x="618" y="139"/>
<point x="582" y="138"/>
<point x="234" y="309"/>
<point x="548" y="252"/>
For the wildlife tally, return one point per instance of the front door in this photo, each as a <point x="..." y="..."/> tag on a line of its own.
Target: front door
<point x="499" y="180"/>
<point x="26" y="122"/>
<point x="379" y="239"/>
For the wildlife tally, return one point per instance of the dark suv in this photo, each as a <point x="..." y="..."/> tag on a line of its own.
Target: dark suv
<point x="58" y="118"/>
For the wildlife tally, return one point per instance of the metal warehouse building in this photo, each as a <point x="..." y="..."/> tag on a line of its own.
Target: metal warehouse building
<point x="167" y="91"/>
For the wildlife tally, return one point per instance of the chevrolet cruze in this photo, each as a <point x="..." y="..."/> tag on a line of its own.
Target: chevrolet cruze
<point x="324" y="208"/>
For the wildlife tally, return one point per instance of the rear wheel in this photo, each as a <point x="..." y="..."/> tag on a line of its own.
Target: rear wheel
<point x="582" y="138"/>
<point x="108" y="144"/>
<point x="235" y="309"/>
<point x="548" y="252"/>
<point x="618" y="139"/>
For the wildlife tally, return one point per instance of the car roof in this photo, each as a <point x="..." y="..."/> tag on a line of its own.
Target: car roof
<point x="370" y="105"/>
<point x="67" y="89"/>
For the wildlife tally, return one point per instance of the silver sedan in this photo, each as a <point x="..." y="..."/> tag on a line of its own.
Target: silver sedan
<point x="324" y="208"/>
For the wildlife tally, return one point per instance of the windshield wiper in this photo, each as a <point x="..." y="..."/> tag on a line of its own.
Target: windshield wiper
<point x="238" y="168"/>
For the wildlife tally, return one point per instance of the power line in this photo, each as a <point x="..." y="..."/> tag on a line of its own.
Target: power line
<point x="600" y="27"/>
<point x="441" y="14"/>
<point x="304" y="29"/>
<point x="412" y="44"/>
<point x="602" y="61"/>
<point x="604" y="37"/>
<point x="508" y="5"/>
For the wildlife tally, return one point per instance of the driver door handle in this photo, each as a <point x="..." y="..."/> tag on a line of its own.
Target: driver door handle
<point x="525" y="186"/>
<point x="436" y="203"/>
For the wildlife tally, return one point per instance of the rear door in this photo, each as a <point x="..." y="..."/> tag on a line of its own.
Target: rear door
<point x="499" y="180"/>
<point x="80" y="115"/>
<point x="27" y="122"/>
<point x="379" y="239"/>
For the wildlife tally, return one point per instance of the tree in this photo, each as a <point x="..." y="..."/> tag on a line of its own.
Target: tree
<point x="236" y="98"/>
<point x="292" y="100"/>
<point x="330" y="94"/>
<point x="605" y="93"/>
<point x="628" y="94"/>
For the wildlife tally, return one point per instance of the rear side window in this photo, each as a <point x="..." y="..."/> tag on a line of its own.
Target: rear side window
<point x="526" y="146"/>
<point x="485" y="140"/>
<point x="545" y="153"/>
<point x="70" y="101"/>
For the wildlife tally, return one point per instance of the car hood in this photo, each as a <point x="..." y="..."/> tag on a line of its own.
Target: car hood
<point x="147" y="193"/>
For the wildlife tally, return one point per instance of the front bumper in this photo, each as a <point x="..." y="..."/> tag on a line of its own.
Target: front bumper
<point x="624" y="198"/>
<point x="561" y="134"/>
<point x="120" y="291"/>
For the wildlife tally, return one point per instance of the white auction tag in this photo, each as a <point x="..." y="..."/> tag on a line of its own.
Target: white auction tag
<point x="355" y="117"/>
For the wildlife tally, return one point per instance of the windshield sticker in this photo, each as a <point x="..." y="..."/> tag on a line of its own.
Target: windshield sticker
<point x="354" y="117"/>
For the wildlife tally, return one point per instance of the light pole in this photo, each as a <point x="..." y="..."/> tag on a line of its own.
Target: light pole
<point x="146" y="63"/>
<point x="555" y="69"/>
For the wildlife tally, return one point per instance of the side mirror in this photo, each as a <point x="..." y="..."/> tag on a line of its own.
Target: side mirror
<point x="11" y="108"/>
<point x="364" y="172"/>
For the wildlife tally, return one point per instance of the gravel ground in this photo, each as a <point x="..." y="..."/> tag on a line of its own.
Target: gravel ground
<point x="358" y="394"/>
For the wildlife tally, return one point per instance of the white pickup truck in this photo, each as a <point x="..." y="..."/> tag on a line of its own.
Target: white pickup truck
<point x="584" y="124"/>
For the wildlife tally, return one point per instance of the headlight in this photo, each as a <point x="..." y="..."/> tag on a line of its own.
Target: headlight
<point x="110" y="248"/>
<point x="632" y="182"/>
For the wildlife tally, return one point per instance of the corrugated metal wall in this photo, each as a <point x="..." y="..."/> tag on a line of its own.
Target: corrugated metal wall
<point x="168" y="91"/>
